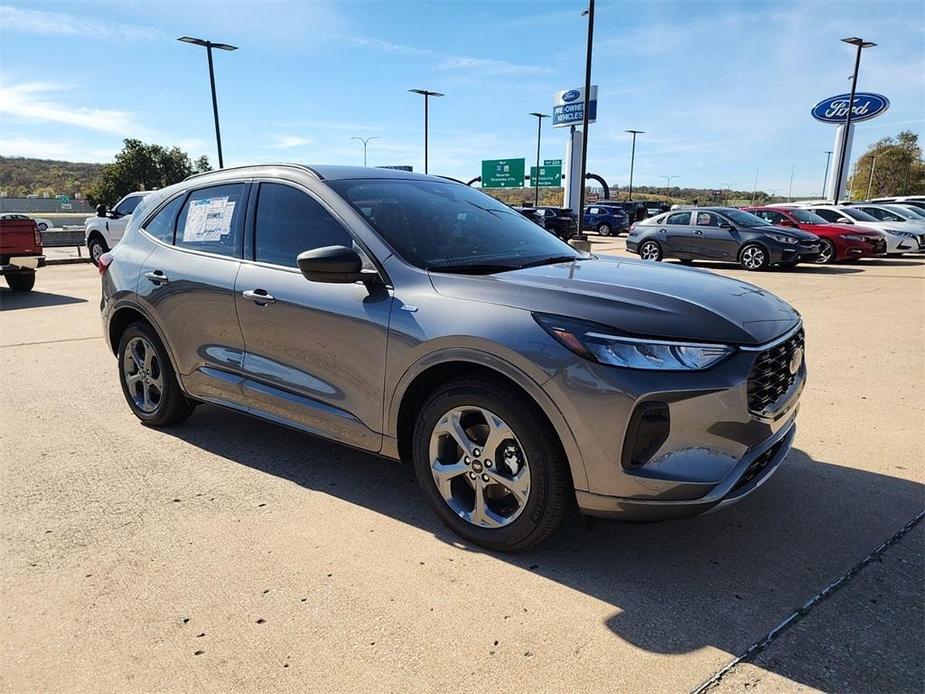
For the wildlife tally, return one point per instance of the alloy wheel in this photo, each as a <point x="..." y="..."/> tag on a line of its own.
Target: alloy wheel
<point x="479" y="467"/>
<point x="753" y="258"/>
<point x="650" y="251"/>
<point x="96" y="252"/>
<point x="826" y="253"/>
<point x="143" y="376"/>
<point x="603" y="230"/>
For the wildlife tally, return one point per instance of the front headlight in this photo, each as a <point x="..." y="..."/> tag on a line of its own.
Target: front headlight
<point x="597" y="343"/>
<point x="852" y="237"/>
<point x="780" y="238"/>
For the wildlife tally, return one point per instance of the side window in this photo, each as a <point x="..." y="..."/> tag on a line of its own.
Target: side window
<point x="707" y="219"/>
<point x="679" y="218"/>
<point x="883" y="215"/>
<point x="162" y="224"/>
<point x="211" y="220"/>
<point x="828" y="215"/>
<point x="128" y="205"/>
<point x="290" y="222"/>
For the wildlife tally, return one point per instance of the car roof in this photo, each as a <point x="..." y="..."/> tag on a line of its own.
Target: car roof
<point x="331" y="172"/>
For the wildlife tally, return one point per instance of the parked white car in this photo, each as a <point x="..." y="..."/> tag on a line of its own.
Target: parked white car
<point x="105" y="231"/>
<point x="42" y="223"/>
<point x="898" y="240"/>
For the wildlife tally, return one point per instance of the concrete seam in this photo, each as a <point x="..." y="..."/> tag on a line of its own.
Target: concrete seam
<point x="807" y="607"/>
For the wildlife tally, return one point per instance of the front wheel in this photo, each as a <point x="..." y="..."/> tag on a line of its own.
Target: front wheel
<point x="650" y="250"/>
<point x="21" y="281"/>
<point x="43" y="226"/>
<point x="97" y="247"/>
<point x="148" y="380"/>
<point x="603" y="229"/>
<point x="490" y="466"/>
<point x="753" y="257"/>
<point x="826" y="252"/>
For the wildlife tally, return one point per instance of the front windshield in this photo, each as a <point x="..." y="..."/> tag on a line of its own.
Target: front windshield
<point x="745" y="219"/>
<point x="857" y="214"/>
<point x="807" y="217"/>
<point x="911" y="210"/>
<point x="902" y="212"/>
<point x="450" y="227"/>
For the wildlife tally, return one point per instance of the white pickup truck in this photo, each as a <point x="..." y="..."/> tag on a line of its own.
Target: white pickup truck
<point x="105" y="229"/>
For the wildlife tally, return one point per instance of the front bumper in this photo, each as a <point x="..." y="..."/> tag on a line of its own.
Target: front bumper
<point x="711" y="442"/>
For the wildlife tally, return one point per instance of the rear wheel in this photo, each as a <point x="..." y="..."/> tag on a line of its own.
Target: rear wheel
<point x="603" y="229"/>
<point x="148" y="380"/>
<point x="826" y="252"/>
<point x="650" y="250"/>
<point x="21" y="281"/>
<point x="753" y="257"/>
<point x="490" y="466"/>
<point x="97" y="247"/>
<point x="42" y="226"/>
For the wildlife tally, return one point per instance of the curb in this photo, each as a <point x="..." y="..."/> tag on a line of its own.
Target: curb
<point x="66" y="261"/>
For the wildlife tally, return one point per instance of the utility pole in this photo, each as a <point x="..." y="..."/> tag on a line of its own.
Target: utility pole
<point x="633" y="156"/>
<point x="870" y="181"/>
<point x="790" y="190"/>
<point x="539" y="132"/>
<point x="825" y="179"/>
<point x="755" y="189"/>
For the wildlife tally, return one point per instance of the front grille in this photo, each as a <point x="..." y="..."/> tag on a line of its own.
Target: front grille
<point x="757" y="466"/>
<point x="770" y="376"/>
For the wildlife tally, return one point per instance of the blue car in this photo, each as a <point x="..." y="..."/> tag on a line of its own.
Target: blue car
<point x="605" y="219"/>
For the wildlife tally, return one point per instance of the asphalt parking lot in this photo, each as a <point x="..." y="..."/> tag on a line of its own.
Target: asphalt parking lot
<point x="231" y="554"/>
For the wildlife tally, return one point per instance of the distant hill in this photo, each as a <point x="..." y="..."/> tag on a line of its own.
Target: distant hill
<point x="22" y="176"/>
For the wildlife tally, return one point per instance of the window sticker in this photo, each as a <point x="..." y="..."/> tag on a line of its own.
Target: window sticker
<point x="208" y="220"/>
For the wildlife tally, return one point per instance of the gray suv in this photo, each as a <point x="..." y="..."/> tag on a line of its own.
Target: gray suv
<point x="420" y="319"/>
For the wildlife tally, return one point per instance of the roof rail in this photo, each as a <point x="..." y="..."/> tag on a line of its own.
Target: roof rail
<point x="312" y="171"/>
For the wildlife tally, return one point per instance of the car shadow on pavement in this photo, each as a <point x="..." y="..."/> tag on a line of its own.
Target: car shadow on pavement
<point x="721" y="580"/>
<point x="807" y="268"/>
<point x="913" y="261"/>
<point x="12" y="301"/>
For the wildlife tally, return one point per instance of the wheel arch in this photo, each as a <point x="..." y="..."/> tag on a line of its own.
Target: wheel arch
<point x="433" y="370"/>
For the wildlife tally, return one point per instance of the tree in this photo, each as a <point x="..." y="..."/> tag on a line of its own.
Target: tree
<point x="143" y="167"/>
<point x="897" y="168"/>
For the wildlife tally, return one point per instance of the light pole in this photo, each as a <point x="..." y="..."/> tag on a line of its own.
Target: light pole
<point x="861" y="44"/>
<point x="667" y="185"/>
<point x="755" y="188"/>
<point x="870" y="181"/>
<point x="365" y="141"/>
<point x="728" y="188"/>
<point x="209" y="45"/>
<point x="790" y="189"/>
<point x="633" y="157"/>
<point x="426" y="94"/>
<point x="539" y="130"/>
<point x="584" y="123"/>
<point x="825" y="179"/>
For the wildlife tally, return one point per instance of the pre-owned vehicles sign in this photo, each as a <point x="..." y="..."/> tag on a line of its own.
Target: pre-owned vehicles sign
<point x="569" y="105"/>
<point x="835" y="108"/>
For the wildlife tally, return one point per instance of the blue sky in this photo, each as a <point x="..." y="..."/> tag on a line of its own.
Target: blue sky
<point x="722" y="88"/>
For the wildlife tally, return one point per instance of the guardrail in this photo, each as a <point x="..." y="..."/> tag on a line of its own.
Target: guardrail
<point x="63" y="238"/>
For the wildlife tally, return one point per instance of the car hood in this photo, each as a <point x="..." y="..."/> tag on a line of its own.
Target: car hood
<point x="843" y="229"/>
<point x="636" y="297"/>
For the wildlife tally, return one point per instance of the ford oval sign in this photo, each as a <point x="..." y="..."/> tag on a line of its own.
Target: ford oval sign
<point x="835" y="108"/>
<point x="571" y="95"/>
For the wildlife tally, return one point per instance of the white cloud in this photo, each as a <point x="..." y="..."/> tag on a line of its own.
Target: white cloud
<point x="289" y="141"/>
<point x="492" y="67"/>
<point x="31" y="101"/>
<point x="17" y="19"/>
<point x="62" y="150"/>
<point x="386" y="46"/>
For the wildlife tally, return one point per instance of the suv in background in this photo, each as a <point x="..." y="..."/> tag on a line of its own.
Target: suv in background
<point x="534" y="215"/>
<point x="105" y="230"/>
<point x="20" y="251"/>
<point x="605" y="219"/>
<point x="560" y="221"/>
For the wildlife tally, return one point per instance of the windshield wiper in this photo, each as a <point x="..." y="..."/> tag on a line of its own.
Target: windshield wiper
<point x="553" y="260"/>
<point x="473" y="268"/>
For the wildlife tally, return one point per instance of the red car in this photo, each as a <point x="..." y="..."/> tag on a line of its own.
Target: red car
<point x="837" y="241"/>
<point x="20" y="251"/>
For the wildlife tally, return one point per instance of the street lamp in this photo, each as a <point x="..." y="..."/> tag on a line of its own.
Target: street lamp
<point x="861" y="44"/>
<point x="539" y="129"/>
<point x="633" y="157"/>
<point x="728" y="188"/>
<point x="209" y="45"/>
<point x="426" y="94"/>
<point x="365" y="141"/>
<point x="825" y="179"/>
<point x="667" y="185"/>
<point x="790" y="189"/>
<point x="584" y="123"/>
<point x="870" y="181"/>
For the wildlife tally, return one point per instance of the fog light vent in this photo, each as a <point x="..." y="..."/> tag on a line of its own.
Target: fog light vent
<point x="647" y="431"/>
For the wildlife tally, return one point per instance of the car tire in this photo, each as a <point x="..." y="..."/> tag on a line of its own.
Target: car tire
<point x="42" y="226"/>
<point x="603" y="229"/>
<point x="650" y="250"/>
<point x="22" y="281"/>
<point x="97" y="247"/>
<point x="149" y="382"/>
<point x="826" y="252"/>
<point x="753" y="257"/>
<point x="507" y="522"/>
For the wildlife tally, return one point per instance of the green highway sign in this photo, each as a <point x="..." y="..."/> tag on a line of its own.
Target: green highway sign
<point x="550" y="175"/>
<point x="503" y="173"/>
<point x="64" y="198"/>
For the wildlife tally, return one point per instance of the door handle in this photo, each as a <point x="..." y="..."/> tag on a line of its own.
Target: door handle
<point x="661" y="231"/>
<point x="698" y="232"/>
<point x="258" y="296"/>
<point x="157" y="277"/>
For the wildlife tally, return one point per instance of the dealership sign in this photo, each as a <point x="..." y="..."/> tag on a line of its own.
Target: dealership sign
<point x="835" y="108"/>
<point x="569" y="105"/>
<point x="503" y="173"/>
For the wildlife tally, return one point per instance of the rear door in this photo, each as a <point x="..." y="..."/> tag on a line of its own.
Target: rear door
<point x="187" y="284"/>
<point x="711" y="239"/>
<point x="675" y="234"/>
<point x="316" y="352"/>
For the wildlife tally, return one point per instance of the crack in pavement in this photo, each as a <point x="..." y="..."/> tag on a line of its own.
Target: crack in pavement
<point x="807" y="607"/>
<point x="51" y="342"/>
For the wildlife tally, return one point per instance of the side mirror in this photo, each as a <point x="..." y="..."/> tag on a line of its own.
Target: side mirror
<point x="101" y="210"/>
<point x="843" y="220"/>
<point x="335" y="264"/>
<point x="787" y="223"/>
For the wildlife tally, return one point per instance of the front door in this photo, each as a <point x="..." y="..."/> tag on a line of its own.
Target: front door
<point x="712" y="239"/>
<point x="316" y="352"/>
<point x="187" y="284"/>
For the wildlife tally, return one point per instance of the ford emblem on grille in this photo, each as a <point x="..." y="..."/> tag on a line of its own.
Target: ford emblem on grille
<point x="795" y="360"/>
